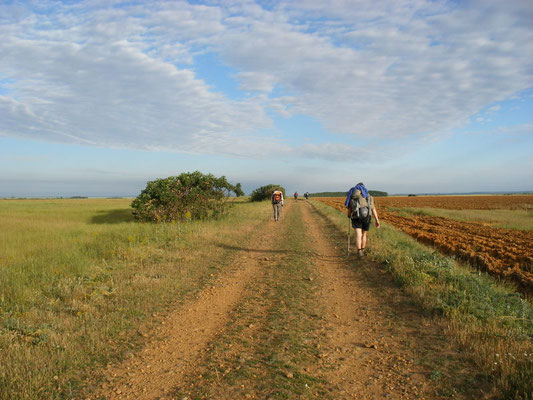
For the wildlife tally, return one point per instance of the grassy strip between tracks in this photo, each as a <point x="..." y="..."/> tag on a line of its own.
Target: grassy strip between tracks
<point x="269" y="349"/>
<point x="520" y="220"/>
<point x="80" y="283"/>
<point x="492" y="322"/>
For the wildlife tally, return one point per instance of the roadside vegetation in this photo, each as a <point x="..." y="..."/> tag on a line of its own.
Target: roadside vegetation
<point x="81" y="282"/>
<point x="491" y="321"/>
<point x="188" y="196"/>
<point x="264" y="192"/>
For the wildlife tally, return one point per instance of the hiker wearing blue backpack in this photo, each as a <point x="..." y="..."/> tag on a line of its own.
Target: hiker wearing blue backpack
<point x="360" y="207"/>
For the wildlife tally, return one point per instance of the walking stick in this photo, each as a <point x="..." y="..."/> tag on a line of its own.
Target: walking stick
<point x="349" y="235"/>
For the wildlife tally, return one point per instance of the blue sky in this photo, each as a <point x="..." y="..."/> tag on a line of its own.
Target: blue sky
<point x="420" y="96"/>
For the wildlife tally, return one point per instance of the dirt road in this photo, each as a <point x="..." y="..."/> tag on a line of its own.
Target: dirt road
<point x="295" y="318"/>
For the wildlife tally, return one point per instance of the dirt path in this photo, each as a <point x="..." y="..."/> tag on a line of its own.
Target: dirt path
<point x="377" y="341"/>
<point x="295" y="318"/>
<point x="174" y="348"/>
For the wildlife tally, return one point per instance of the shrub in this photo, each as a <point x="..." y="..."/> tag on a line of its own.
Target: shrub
<point x="191" y="195"/>
<point x="264" y="192"/>
<point x="238" y="190"/>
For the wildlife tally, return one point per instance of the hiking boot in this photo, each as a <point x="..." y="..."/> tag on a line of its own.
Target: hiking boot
<point x="360" y="253"/>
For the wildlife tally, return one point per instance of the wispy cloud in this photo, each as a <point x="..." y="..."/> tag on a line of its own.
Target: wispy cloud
<point x="512" y="130"/>
<point x="124" y="75"/>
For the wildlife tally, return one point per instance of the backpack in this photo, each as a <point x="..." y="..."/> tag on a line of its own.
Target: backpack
<point x="361" y="207"/>
<point x="277" y="197"/>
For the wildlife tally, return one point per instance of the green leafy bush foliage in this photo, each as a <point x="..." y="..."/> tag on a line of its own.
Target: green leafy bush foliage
<point x="190" y="195"/>
<point x="378" y="193"/>
<point x="264" y="192"/>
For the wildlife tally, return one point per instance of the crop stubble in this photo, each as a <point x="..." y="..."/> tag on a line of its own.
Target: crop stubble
<point x="500" y="252"/>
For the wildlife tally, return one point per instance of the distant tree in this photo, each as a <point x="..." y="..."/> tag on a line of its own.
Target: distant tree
<point x="238" y="190"/>
<point x="264" y="192"/>
<point x="329" y="194"/>
<point x="377" y="193"/>
<point x="191" y="195"/>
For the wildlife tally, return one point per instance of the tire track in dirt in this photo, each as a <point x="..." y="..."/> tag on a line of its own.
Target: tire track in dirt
<point x="175" y="348"/>
<point x="266" y="351"/>
<point x="378" y="344"/>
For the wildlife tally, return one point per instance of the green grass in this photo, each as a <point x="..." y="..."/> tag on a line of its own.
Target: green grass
<point x="508" y="219"/>
<point x="491" y="321"/>
<point x="79" y="280"/>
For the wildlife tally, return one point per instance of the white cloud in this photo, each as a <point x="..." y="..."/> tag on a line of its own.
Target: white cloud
<point x="113" y="95"/>
<point x="253" y="81"/>
<point x="335" y="152"/>
<point x="123" y="76"/>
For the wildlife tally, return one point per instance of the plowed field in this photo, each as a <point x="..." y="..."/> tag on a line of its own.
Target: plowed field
<point x="512" y="202"/>
<point x="501" y="252"/>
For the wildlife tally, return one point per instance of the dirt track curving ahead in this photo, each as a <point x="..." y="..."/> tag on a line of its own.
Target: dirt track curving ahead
<point x="370" y="341"/>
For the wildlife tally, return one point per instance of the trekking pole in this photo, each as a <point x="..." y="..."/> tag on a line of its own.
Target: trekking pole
<point x="349" y="235"/>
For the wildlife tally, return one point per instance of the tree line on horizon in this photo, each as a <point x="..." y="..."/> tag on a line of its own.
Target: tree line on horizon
<point x="374" y="193"/>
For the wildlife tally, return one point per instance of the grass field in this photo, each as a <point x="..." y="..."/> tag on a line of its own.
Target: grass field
<point x="79" y="281"/>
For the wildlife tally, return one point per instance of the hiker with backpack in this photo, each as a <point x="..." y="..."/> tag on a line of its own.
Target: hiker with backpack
<point x="360" y="210"/>
<point x="295" y="195"/>
<point x="277" y="203"/>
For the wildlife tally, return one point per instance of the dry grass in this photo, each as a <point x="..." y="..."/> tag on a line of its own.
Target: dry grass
<point x="79" y="281"/>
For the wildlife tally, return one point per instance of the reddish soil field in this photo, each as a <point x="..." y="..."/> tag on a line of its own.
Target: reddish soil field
<point x="510" y="202"/>
<point x="501" y="252"/>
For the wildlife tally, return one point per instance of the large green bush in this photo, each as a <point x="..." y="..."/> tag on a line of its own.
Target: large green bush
<point x="264" y="192"/>
<point x="191" y="195"/>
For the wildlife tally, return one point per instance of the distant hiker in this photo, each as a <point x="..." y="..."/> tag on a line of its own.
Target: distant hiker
<point x="277" y="202"/>
<point x="295" y="195"/>
<point x="360" y="209"/>
<point x="306" y="195"/>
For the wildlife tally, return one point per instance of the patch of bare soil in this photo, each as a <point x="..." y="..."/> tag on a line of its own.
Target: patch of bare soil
<point x="175" y="348"/>
<point x="268" y="349"/>
<point x="379" y="345"/>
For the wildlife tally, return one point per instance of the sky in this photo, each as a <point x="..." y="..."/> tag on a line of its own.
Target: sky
<point x="99" y="97"/>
